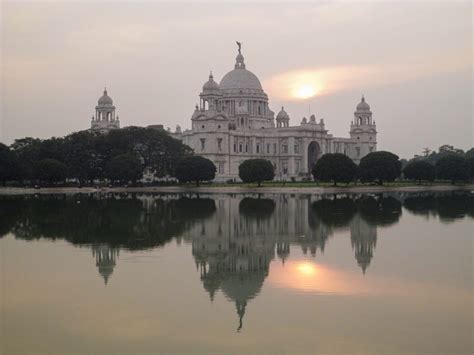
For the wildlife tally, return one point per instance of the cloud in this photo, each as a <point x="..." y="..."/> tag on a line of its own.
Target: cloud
<point x="305" y="83"/>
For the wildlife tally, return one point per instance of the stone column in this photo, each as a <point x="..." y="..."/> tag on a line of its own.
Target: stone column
<point x="304" y="146"/>
<point x="291" y="151"/>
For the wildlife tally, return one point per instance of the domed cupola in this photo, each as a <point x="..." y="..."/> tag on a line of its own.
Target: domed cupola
<point x="105" y="100"/>
<point x="363" y="106"/>
<point x="210" y="86"/>
<point x="282" y="118"/>
<point x="105" y="119"/>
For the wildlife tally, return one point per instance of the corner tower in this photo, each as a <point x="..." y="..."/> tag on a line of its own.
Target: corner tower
<point x="105" y="119"/>
<point x="363" y="132"/>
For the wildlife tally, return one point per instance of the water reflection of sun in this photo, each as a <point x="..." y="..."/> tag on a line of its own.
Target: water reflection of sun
<point x="306" y="268"/>
<point x="307" y="276"/>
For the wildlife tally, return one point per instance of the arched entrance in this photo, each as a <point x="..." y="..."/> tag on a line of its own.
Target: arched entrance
<point x="313" y="154"/>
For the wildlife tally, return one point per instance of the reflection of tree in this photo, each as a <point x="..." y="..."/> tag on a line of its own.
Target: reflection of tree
<point x="455" y="206"/>
<point x="448" y="206"/>
<point x="421" y="205"/>
<point x="380" y="211"/>
<point x="10" y="209"/>
<point x="118" y="221"/>
<point x="256" y="208"/>
<point x="336" y="212"/>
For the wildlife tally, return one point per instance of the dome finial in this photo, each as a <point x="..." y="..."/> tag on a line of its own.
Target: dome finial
<point x="211" y="77"/>
<point x="239" y="44"/>
<point x="239" y="60"/>
<point x="363" y="98"/>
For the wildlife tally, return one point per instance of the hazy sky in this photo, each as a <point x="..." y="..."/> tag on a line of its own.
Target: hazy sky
<point x="412" y="61"/>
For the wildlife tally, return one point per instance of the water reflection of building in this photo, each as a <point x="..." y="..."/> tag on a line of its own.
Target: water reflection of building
<point x="363" y="240"/>
<point x="105" y="259"/>
<point x="234" y="247"/>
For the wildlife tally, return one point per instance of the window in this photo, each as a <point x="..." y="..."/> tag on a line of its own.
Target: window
<point x="285" y="149"/>
<point x="297" y="148"/>
<point x="221" y="168"/>
<point x="246" y="148"/>
<point x="203" y="143"/>
<point x="358" y="138"/>
<point x="274" y="148"/>
<point x="358" y="151"/>
<point x="258" y="148"/>
<point x="219" y="143"/>
<point x="259" y="110"/>
<point x="240" y="148"/>
<point x="370" y="137"/>
<point x="219" y="127"/>
<point x="297" y="166"/>
<point x="202" y="126"/>
<point x="268" y="148"/>
<point x="235" y="148"/>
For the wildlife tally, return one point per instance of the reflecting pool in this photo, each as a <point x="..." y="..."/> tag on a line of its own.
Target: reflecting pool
<point x="237" y="274"/>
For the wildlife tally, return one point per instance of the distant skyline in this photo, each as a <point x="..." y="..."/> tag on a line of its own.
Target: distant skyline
<point x="412" y="62"/>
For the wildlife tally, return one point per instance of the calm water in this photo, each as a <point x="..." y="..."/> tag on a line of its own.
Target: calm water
<point x="235" y="274"/>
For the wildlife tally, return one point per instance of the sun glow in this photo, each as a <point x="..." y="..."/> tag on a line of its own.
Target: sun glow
<point x="306" y="91"/>
<point x="307" y="268"/>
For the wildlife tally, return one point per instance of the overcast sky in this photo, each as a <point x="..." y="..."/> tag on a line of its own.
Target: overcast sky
<point x="412" y="61"/>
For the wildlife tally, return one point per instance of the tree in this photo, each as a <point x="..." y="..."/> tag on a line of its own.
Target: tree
<point x="470" y="162"/>
<point x="195" y="168"/>
<point x="84" y="156"/>
<point x="9" y="166"/>
<point x="156" y="149"/>
<point x="379" y="166"/>
<point x="256" y="170"/>
<point x="420" y="170"/>
<point x="50" y="170"/>
<point x="124" y="168"/>
<point x="334" y="167"/>
<point x="452" y="167"/>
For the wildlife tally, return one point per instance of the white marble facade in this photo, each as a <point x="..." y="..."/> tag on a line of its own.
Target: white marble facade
<point x="234" y="122"/>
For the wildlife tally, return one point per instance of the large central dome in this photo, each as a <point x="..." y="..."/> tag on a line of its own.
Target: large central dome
<point x="240" y="78"/>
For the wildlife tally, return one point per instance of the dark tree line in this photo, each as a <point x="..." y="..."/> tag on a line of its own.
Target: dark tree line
<point x="121" y="156"/>
<point x="381" y="166"/>
<point x="448" y="163"/>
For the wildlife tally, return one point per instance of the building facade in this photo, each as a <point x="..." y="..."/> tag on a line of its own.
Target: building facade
<point x="233" y="122"/>
<point x="104" y="119"/>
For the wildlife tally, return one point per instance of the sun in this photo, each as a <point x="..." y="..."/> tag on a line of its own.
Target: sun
<point x="306" y="91"/>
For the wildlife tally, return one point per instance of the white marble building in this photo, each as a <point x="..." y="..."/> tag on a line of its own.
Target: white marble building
<point x="234" y="122"/>
<point x="105" y="119"/>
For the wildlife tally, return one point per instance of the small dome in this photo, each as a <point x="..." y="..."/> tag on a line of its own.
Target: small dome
<point x="363" y="106"/>
<point x="282" y="114"/>
<point x="105" y="99"/>
<point x="210" y="85"/>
